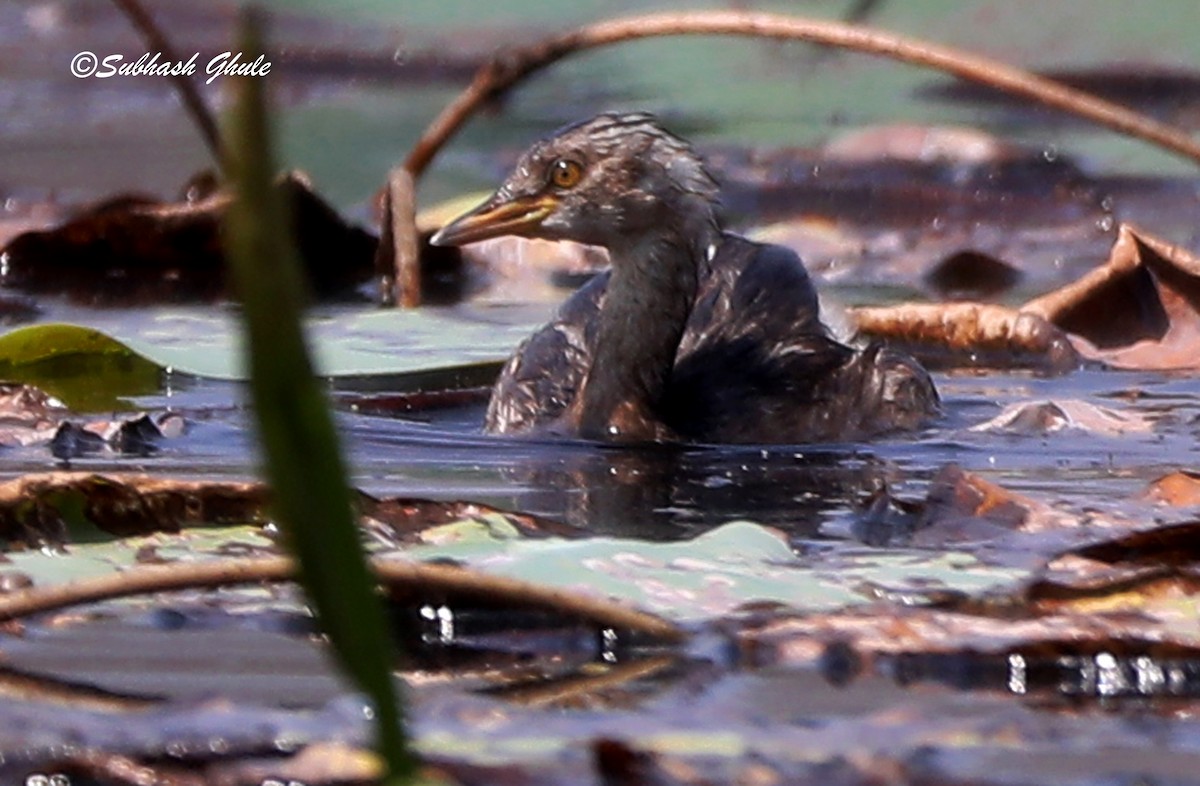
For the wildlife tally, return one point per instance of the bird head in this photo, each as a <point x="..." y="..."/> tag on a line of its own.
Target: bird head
<point x="605" y="181"/>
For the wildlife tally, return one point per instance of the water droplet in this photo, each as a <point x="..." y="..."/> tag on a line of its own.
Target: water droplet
<point x="400" y="56"/>
<point x="1016" y="673"/>
<point x="1050" y="153"/>
<point x="608" y="644"/>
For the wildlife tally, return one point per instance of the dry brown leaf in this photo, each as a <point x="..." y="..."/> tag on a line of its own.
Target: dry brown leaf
<point x="1001" y="525"/>
<point x="1048" y="417"/>
<point x="31" y="508"/>
<point x="968" y="334"/>
<point x="122" y="505"/>
<point x="961" y="506"/>
<point x="1178" y="489"/>
<point x="1140" y="310"/>
<point x="133" y="249"/>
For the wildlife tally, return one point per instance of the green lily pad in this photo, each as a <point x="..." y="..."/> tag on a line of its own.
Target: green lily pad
<point x="716" y="573"/>
<point x="128" y="356"/>
<point x="84" y="368"/>
<point x="90" y="560"/>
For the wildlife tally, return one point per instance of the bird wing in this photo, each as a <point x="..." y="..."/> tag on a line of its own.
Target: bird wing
<point x="541" y="379"/>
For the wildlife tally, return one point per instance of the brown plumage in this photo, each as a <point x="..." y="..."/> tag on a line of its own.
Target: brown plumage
<point x="694" y="334"/>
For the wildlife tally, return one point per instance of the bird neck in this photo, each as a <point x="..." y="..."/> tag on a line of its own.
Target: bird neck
<point x="649" y="298"/>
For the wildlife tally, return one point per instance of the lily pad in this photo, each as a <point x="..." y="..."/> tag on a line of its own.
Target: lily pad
<point x="85" y="364"/>
<point x="89" y="560"/>
<point x="716" y="573"/>
<point x="82" y="367"/>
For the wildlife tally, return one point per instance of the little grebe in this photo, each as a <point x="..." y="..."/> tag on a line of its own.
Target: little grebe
<point x="694" y="334"/>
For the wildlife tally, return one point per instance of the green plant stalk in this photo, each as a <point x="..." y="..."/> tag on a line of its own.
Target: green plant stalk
<point x="304" y="467"/>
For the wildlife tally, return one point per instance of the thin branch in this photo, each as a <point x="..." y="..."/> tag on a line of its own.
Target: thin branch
<point x="510" y="67"/>
<point x="561" y="691"/>
<point x="398" y="256"/>
<point x="392" y="573"/>
<point x="192" y="101"/>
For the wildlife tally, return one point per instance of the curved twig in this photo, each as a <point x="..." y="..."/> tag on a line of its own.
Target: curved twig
<point x="390" y="572"/>
<point x="511" y="66"/>
<point x="192" y="101"/>
<point x="582" y="686"/>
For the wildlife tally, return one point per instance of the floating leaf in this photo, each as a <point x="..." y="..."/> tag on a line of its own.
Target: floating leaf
<point x="82" y="367"/>
<point x="38" y="508"/>
<point x="1048" y="417"/>
<point x="1177" y="489"/>
<point x="131" y="250"/>
<point x="1139" y="310"/>
<point x="968" y="334"/>
<point x="206" y="344"/>
<point x="716" y="573"/>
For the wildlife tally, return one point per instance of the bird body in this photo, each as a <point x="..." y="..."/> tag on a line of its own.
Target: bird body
<point x="694" y="334"/>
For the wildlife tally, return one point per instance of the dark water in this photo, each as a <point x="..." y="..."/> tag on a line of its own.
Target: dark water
<point x="810" y="491"/>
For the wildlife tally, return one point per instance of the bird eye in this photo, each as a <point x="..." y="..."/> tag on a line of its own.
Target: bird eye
<point x="565" y="173"/>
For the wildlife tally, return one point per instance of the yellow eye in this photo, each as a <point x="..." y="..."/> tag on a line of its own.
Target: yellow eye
<point x="565" y="173"/>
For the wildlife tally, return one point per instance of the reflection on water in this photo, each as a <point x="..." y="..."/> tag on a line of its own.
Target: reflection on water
<point x="655" y="492"/>
<point x="670" y="492"/>
<point x="666" y="492"/>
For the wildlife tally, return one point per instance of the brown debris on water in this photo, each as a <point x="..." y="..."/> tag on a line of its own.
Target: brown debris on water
<point x="34" y="508"/>
<point x="405" y="520"/>
<point x="972" y="275"/>
<point x="975" y="335"/>
<point x="30" y="416"/>
<point x="965" y="508"/>
<point x="1179" y="489"/>
<point x="1139" y="310"/>
<point x="1049" y="417"/>
<point x="135" y="249"/>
